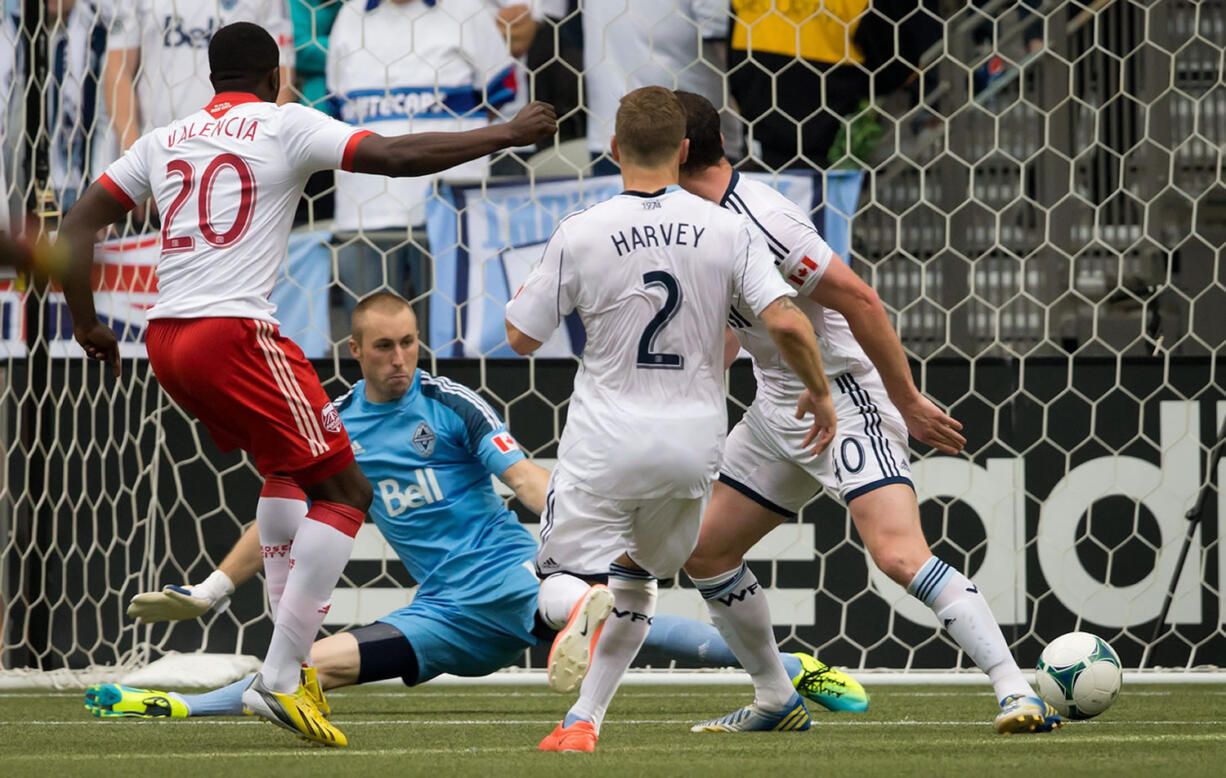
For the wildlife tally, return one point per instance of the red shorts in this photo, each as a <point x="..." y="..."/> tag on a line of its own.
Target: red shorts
<point x="253" y="389"/>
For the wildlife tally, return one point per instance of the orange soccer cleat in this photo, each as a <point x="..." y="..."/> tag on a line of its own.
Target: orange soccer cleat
<point x="580" y="736"/>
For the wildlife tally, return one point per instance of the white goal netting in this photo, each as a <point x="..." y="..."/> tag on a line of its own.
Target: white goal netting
<point x="1035" y="188"/>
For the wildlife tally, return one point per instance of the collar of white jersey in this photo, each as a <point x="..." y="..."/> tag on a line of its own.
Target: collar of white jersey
<point x="648" y="195"/>
<point x="732" y="182"/>
<point x="224" y="101"/>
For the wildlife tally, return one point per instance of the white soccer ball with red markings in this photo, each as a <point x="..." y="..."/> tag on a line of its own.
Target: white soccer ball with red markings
<point x="1079" y="675"/>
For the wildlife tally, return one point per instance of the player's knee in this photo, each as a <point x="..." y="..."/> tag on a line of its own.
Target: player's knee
<point x="900" y="567"/>
<point x="709" y="561"/>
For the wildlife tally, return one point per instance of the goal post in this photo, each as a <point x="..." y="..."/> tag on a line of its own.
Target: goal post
<point x="1043" y="220"/>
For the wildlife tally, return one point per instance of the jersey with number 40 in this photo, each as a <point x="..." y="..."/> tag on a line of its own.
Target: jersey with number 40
<point x="226" y="180"/>
<point x="652" y="277"/>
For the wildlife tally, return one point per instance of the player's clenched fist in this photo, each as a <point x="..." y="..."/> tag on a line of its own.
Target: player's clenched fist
<point x="99" y="343"/>
<point x="537" y="120"/>
<point x="825" y="420"/>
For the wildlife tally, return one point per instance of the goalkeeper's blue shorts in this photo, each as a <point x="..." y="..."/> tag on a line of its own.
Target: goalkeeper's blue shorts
<point x="472" y="635"/>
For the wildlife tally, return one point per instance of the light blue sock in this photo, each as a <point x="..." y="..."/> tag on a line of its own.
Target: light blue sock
<point x="226" y="701"/>
<point x="682" y="638"/>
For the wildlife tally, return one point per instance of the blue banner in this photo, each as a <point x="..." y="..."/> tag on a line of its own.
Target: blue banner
<point x="486" y="239"/>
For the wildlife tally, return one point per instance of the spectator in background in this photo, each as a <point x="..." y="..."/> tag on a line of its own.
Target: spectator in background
<point x="408" y="66"/>
<point x="627" y="44"/>
<point x="82" y="139"/>
<point x="157" y="67"/>
<point x="313" y="20"/>
<point x="518" y="21"/>
<point x="8" y="79"/>
<point x="772" y="64"/>
<point x="775" y="54"/>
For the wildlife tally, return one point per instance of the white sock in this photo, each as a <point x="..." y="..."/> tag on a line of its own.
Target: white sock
<point x="321" y="549"/>
<point x="740" y="612"/>
<point x="965" y="615"/>
<point x="634" y="603"/>
<point x="278" y="514"/>
<point x="557" y="597"/>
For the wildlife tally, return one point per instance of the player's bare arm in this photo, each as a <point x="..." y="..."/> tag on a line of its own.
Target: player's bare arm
<point x="840" y="289"/>
<point x="516" y="24"/>
<point x="520" y="343"/>
<point x="96" y="209"/>
<point x="732" y="347"/>
<point x="176" y="603"/>
<point x="425" y="153"/>
<point x="793" y="334"/>
<point x="119" y="91"/>
<point x="287" y="94"/>
<point x="529" y="481"/>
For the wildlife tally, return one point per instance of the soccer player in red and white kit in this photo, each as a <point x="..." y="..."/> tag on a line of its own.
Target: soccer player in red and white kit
<point x="226" y="180"/>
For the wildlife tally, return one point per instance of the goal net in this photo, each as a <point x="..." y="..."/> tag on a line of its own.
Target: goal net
<point x="1034" y="188"/>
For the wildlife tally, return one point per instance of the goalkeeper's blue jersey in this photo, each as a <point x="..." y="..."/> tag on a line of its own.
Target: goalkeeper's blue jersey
<point x="429" y="457"/>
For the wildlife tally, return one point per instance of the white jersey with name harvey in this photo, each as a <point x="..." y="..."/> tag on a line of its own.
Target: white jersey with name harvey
<point x="226" y="180"/>
<point x="652" y="277"/>
<point x="802" y="257"/>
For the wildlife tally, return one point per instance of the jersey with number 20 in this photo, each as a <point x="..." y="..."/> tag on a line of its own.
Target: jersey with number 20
<point x="652" y="277"/>
<point x="226" y="180"/>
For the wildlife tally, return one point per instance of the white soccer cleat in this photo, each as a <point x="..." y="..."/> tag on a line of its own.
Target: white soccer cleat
<point x="572" y="648"/>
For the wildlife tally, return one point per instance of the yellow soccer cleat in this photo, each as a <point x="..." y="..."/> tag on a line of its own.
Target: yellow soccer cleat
<point x="112" y="701"/>
<point x="828" y="686"/>
<point x="295" y="712"/>
<point x="315" y="692"/>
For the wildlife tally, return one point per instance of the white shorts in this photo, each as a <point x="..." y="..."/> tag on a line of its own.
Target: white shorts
<point x="764" y="461"/>
<point x="582" y="533"/>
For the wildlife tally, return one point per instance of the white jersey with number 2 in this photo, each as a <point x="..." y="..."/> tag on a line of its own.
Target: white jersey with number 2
<point x="226" y="180"/>
<point x="652" y="277"/>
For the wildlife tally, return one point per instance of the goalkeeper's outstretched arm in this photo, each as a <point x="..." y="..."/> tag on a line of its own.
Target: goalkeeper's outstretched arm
<point x="176" y="603"/>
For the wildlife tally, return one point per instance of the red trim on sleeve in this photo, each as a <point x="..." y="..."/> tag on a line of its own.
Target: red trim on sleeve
<point x="351" y="148"/>
<point x="109" y="185"/>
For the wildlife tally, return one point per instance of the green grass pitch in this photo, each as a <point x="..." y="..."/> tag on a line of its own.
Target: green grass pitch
<point x="493" y="730"/>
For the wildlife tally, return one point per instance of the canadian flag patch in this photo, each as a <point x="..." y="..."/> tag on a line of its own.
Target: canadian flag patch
<point x="802" y="272"/>
<point x="505" y="443"/>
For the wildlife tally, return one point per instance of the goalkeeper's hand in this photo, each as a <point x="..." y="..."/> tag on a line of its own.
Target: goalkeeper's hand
<point x="176" y="603"/>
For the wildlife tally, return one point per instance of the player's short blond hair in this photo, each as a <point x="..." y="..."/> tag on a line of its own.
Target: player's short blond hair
<point x="650" y="126"/>
<point x="383" y="302"/>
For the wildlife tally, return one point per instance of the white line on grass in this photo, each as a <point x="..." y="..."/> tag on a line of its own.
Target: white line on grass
<point x="885" y="691"/>
<point x="477" y="751"/>
<point x="636" y="722"/>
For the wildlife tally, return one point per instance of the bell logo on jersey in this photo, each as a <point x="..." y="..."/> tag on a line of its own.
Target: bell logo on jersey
<point x="330" y="418"/>
<point x="397" y="500"/>
<point x="799" y="275"/>
<point x="505" y="443"/>
<point x="175" y="34"/>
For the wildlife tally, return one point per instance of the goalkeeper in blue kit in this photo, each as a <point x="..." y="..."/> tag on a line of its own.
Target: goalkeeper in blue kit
<point x="428" y="446"/>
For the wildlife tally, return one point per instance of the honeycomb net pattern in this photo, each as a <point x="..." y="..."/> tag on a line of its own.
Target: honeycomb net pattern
<point x="1043" y="215"/>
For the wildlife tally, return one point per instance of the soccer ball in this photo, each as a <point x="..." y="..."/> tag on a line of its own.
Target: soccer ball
<point x="1079" y="675"/>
